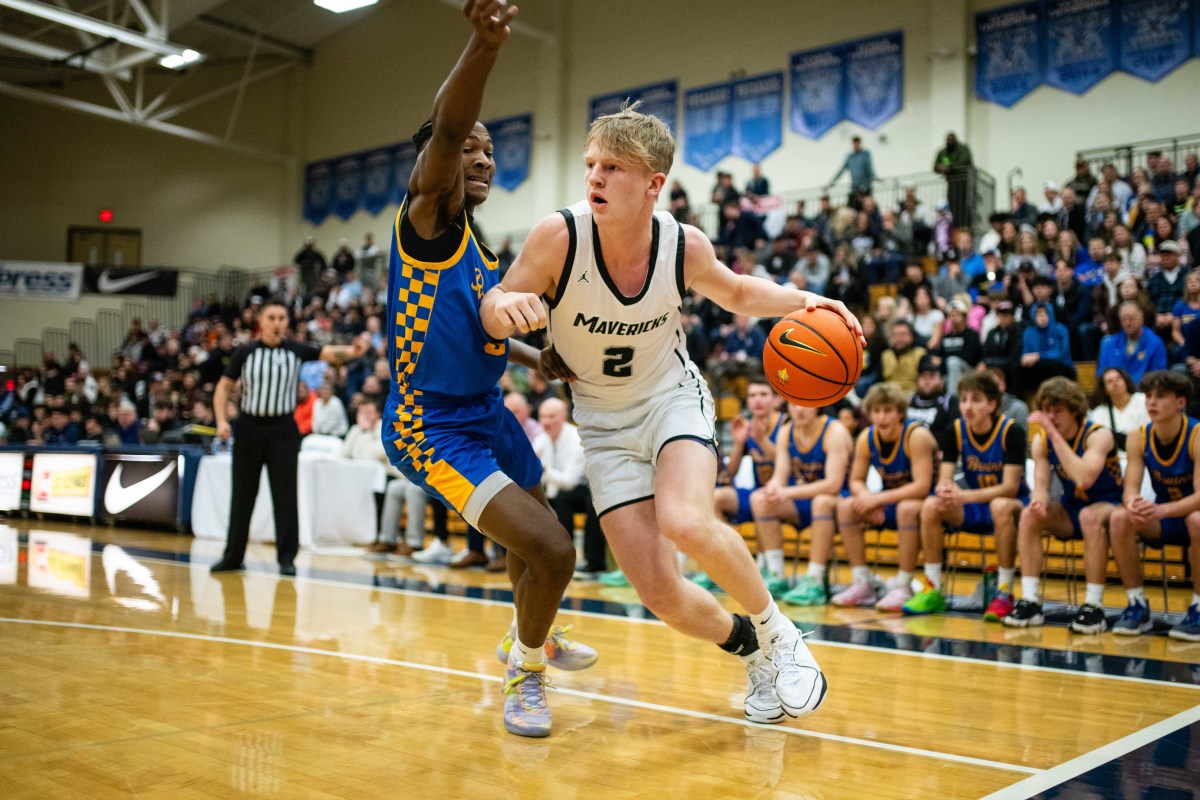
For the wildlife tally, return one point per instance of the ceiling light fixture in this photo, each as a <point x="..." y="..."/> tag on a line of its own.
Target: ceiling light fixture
<point x="180" y="61"/>
<point x="342" y="6"/>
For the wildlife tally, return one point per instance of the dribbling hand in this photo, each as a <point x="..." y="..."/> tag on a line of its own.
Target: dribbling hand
<point x="813" y="301"/>
<point x="490" y="19"/>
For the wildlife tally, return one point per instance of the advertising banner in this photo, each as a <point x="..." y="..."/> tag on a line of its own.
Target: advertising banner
<point x="141" y="488"/>
<point x="157" y="281"/>
<point x="64" y="483"/>
<point x="40" y="280"/>
<point x="9" y="554"/>
<point x="12" y="468"/>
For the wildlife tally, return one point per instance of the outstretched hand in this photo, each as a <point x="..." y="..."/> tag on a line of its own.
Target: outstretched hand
<point x="490" y="19"/>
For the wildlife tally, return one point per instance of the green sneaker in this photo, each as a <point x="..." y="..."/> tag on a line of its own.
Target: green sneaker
<point x="808" y="592"/>
<point x="614" y="578"/>
<point x="778" y="587"/>
<point x="930" y="601"/>
<point x="702" y="580"/>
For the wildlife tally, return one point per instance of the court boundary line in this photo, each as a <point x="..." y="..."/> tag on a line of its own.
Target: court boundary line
<point x="594" y="696"/>
<point x="597" y="615"/>
<point x="1068" y="770"/>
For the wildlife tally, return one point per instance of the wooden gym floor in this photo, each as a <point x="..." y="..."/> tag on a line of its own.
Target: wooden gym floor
<point x="129" y="671"/>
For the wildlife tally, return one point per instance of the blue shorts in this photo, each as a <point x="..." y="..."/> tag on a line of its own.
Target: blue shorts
<point x="804" y="509"/>
<point x="889" y="519"/>
<point x="449" y="450"/>
<point x="977" y="517"/>
<point x="744" y="514"/>
<point x="1172" y="531"/>
<point x="1073" y="510"/>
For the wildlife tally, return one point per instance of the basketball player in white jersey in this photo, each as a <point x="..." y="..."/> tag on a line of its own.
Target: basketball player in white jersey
<point x="613" y="273"/>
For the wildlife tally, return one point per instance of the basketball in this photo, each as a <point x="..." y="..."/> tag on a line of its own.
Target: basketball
<point x="813" y="358"/>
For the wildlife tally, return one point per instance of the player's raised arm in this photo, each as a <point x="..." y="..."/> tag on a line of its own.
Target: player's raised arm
<point x="746" y="294"/>
<point x="436" y="188"/>
<point x="515" y="304"/>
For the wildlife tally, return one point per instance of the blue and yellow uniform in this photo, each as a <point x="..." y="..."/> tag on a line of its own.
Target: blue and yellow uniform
<point x="764" y="468"/>
<point x="446" y="427"/>
<point x="983" y="466"/>
<point x="1172" y="477"/>
<point x="1108" y="488"/>
<point x="808" y="466"/>
<point x="894" y="470"/>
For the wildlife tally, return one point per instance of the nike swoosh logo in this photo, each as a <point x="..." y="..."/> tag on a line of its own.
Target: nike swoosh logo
<point x="786" y="338"/>
<point x="109" y="285"/>
<point x="117" y="498"/>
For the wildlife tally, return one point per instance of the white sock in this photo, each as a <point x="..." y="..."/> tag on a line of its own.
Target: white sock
<point x="1195" y="599"/>
<point x="860" y="574"/>
<point x="524" y="654"/>
<point x="816" y="570"/>
<point x="1095" y="594"/>
<point x="769" y="621"/>
<point x="1006" y="577"/>
<point x="1031" y="589"/>
<point x="1137" y="595"/>
<point x="774" y="559"/>
<point x="934" y="573"/>
<point x="904" y="579"/>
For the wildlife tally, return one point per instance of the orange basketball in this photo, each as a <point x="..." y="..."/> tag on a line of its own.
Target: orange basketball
<point x="813" y="358"/>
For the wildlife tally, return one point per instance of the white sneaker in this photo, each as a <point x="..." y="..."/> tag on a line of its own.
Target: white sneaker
<point x="799" y="681"/>
<point x="437" y="553"/>
<point x="762" y="701"/>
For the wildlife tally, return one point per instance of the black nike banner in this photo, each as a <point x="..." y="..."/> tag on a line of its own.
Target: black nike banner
<point x="140" y="488"/>
<point x="157" y="281"/>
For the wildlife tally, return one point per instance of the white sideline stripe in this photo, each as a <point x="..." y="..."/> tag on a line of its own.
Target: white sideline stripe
<point x="809" y="640"/>
<point x="1089" y="761"/>
<point x="573" y="692"/>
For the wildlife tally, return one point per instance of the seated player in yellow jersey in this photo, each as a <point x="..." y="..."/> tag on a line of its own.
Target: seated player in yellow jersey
<point x="1084" y="456"/>
<point x="1168" y="449"/>
<point x="754" y="437"/>
<point x="991" y="450"/>
<point x="902" y="452"/>
<point x="812" y="462"/>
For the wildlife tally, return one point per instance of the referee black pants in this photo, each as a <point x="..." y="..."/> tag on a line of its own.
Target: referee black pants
<point x="274" y="442"/>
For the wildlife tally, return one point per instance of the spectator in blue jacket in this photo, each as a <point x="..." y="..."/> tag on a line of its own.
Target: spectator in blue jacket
<point x="1047" y="349"/>
<point x="1134" y="349"/>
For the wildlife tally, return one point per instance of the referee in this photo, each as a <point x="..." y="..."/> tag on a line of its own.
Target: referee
<point x="269" y="369"/>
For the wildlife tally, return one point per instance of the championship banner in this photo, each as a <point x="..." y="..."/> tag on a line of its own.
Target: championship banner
<point x="64" y="483"/>
<point x="377" y="176"/>
<point x="12" y="469"/>
<point x="404" y="160"/>
<point x="512" y="144"/>
<point x="757" y="116"/>
<point x="40" y="280"/>
<point x="658" y="99"/>
<point x="1081" y="43"/>
<point x="818" y="93"/>
<point x="707" y="125"/>
<point x="1009" y="63"/>
<point x="60" y="563"/>
<point x="141" y="488"/>
<point x="875" y="79"/>
<point x="318" y="191"/>
<point x="156" y="281"/>
<point x="347" y="186"/>
<point x="1155" y="37"/>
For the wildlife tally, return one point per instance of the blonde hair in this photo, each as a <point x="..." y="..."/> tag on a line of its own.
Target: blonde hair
<point x="885" y="395"/>
<point x="634" y="137"/>
<point x="1062" y="393"/>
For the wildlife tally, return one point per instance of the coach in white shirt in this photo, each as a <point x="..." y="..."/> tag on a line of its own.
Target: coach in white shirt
<point x="566" y="487"/>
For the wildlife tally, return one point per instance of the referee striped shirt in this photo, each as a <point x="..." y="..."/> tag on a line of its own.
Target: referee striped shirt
<point x="269" y="375"/>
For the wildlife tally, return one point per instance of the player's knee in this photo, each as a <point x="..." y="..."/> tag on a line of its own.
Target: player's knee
<point x="1192" y="521"/>
<point x="1120" y="526"/>
<point x="661" y="594"/>
<point x="824" y="505"/>
<point x="929" y="510"/>
<point x="908" y="512"/>
<point x="845" y="508"/>
<point x="1000" y="507"/>
<point x="687" y="531"/>
<point x="759" y="506"/>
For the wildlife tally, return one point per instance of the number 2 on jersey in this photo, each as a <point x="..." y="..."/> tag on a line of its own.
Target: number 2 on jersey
<point x="617" y="362"/>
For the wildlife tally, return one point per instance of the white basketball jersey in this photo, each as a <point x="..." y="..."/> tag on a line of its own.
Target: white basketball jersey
<point x="623" y="350"/>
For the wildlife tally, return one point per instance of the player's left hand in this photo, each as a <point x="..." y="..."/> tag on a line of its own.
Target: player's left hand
<point x="863" y="504"/>
<point x="553" y="367"/>
<point x="813" y="301"/>
<point x="490" y="19"/>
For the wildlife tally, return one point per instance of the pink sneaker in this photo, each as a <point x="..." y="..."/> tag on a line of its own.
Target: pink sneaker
<point x="857" y="594"/>
<point x="895" y="599"/>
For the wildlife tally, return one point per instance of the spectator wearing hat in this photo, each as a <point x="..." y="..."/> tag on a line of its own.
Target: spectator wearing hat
<point x="1046" y="350"/>
<point x="933" y="404"/>
<point x="1083" y="181"/>
<point x="1166" y="288"/>
<point x="1003" y="346"/>
<point x="1041" y="290"/>
<point x="960" y="349"/>
<point x="1053" y="197"/>
<point x="1134" y="348"/>
<point x="991" y="238"/>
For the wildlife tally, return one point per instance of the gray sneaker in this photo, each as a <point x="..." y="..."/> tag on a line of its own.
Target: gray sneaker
<point x="762" y="701"/>
<point x="799" y="681"/>
<point x="526" y="712"/>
